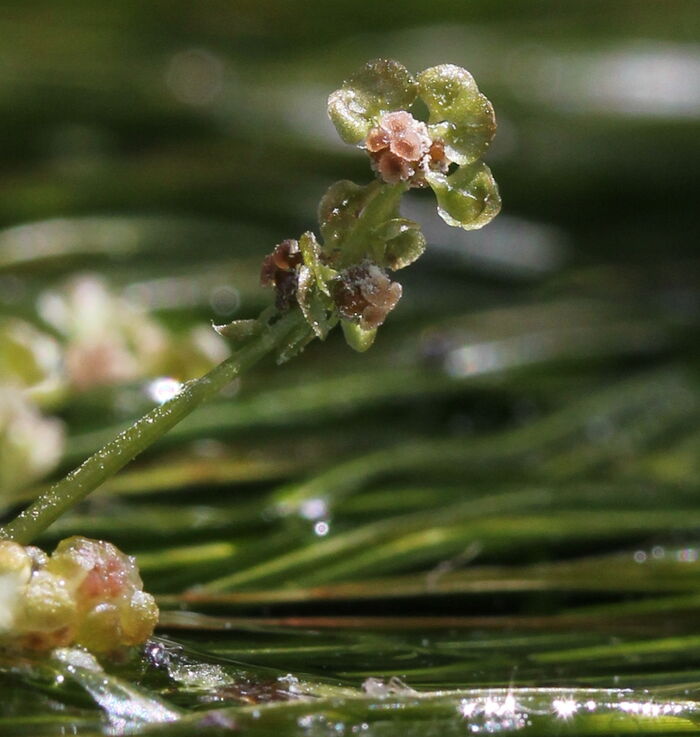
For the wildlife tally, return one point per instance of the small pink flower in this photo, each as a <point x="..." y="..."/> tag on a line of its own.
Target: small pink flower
<point x="402" y="150"/>
<point x="366" y="295"/>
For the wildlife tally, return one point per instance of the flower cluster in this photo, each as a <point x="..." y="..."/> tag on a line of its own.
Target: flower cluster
<point x="366" y="295"/>
<point x="372" y="110"/>
<point x="401" y="150"/>
<point x="344" y="278"/>
<point x="87" y="593"/>
<point x="109" y="339"/>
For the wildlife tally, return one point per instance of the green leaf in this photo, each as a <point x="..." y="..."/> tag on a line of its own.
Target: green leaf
<point x="358" y="339"/>
<point x="380" y="86"/>
<point x="404" y="242"/>
<point x="313" y="294"/>
<point x="468" y="198"/>
<point x="312" y="303"/>
<point x="311" y="253"/>
<point x="460" y="115"/>
<point x="338" y="210"/>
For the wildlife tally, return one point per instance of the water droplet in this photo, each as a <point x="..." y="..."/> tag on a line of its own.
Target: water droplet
<point x="163" y="389"/>
<point x="313" y="508"/>
<point x="322" y="528"/>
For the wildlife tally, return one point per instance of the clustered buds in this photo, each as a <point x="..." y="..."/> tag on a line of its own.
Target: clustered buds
<point x="365" y="295"/>
<point x="360" y="295"/>
<point x="109" y="339"/>
<point x="401" y="150"/>
<point x="87" y="593"/>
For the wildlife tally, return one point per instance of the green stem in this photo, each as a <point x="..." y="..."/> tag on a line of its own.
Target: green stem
<point x="132" y="441"/>
<point x="360" y="241"/>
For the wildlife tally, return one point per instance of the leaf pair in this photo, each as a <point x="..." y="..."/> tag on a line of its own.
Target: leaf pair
<point x="364" y="222"/>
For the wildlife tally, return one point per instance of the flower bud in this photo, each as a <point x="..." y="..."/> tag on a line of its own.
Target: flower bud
<point x="366" y="295"/>
<point x="401" y="149"/>
<point x="279" y="269"/>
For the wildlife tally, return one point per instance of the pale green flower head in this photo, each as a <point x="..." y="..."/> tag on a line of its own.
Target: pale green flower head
<point x="88" y="593"/>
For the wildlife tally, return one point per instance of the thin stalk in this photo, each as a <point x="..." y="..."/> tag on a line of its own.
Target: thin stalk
<point x="128" y="444"/>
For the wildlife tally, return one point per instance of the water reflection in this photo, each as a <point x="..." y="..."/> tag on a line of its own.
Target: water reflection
<point x="321" y="529"/>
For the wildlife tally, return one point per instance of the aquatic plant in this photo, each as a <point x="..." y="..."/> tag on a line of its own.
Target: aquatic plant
<point x="341" y="278"/>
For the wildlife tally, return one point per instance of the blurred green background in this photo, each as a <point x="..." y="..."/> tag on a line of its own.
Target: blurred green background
<point x="217" y="110"/>
<point x="520" y="446"/>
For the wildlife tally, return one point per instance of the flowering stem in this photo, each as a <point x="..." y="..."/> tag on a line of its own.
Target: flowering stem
<point x="128" y="444"/>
